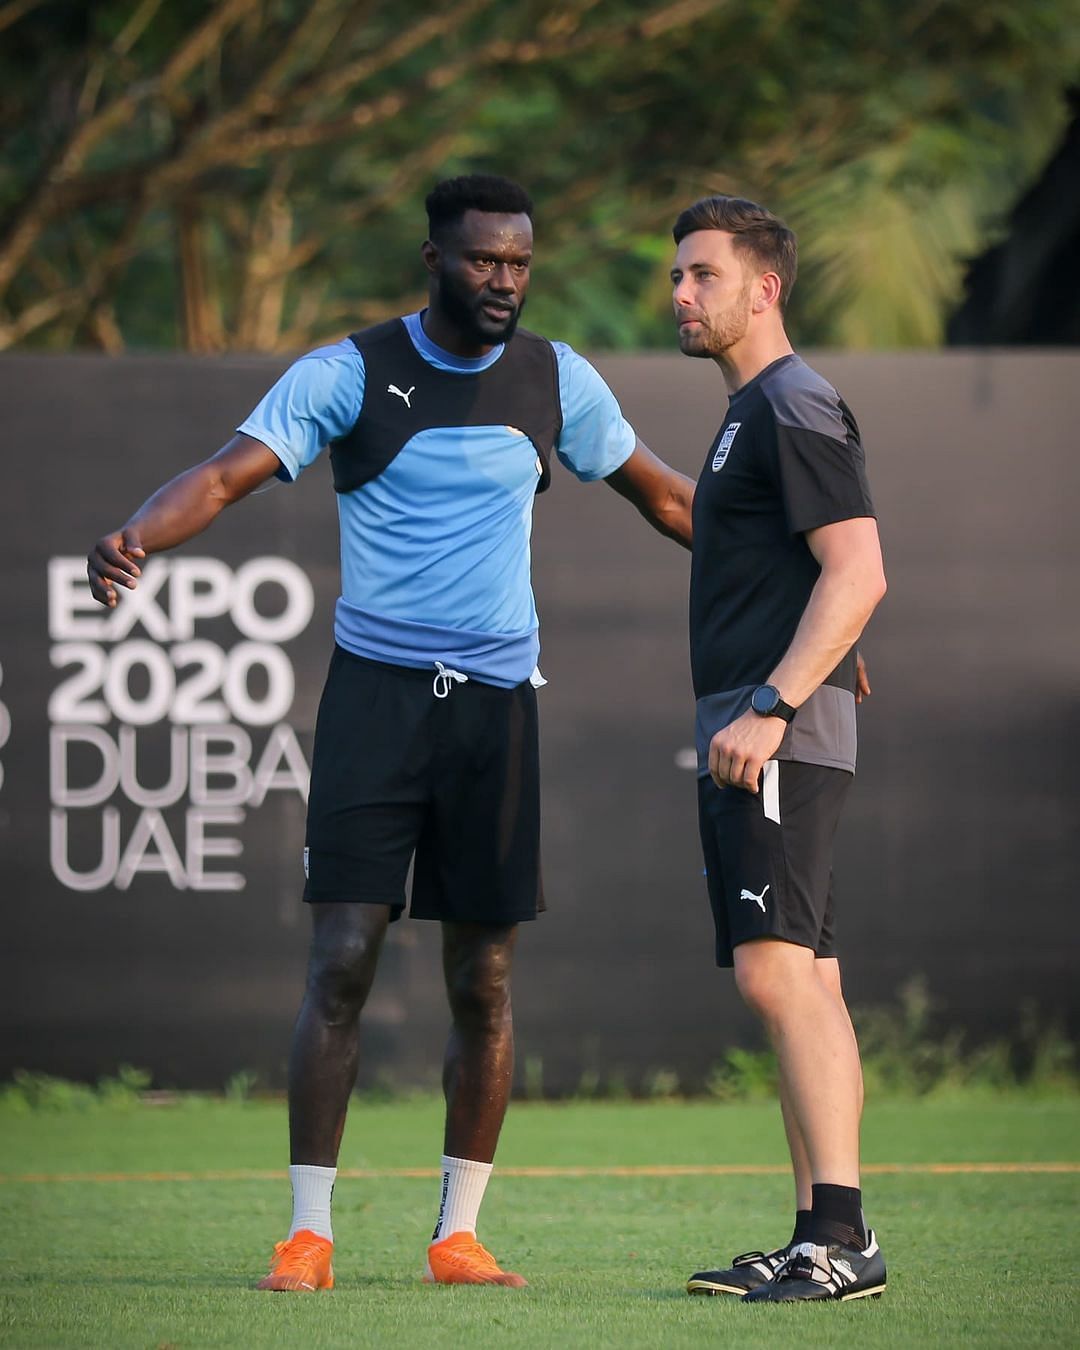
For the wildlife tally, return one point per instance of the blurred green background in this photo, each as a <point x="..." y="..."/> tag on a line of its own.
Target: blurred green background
<point x="249" y="175"/>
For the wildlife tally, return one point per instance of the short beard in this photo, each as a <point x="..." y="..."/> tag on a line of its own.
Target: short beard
<point x="460" y="308"/>
<point x="716" y="336"/>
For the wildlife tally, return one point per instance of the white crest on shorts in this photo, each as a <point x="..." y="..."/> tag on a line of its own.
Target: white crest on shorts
<point x="724" y="448"/>
<point x="758" y="900"/>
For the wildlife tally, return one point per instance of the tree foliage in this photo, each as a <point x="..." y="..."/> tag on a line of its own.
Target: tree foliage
<point x="250" y="174"/>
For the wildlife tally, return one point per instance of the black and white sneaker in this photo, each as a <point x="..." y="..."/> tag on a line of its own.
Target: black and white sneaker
<point x="832" y="1272"/>
<point x="746" y="1272"/>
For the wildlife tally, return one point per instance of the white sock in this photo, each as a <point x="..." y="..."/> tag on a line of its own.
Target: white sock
<point x="463" y="1185"/>
<point x="312" y="1188"/>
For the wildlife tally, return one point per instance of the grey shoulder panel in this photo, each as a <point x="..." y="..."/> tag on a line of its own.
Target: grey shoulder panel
<point x="802" y="398"/>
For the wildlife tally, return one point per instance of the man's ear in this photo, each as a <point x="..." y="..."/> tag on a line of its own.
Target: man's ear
<point x="430" y="254"/>
<point x="768" y="292"/>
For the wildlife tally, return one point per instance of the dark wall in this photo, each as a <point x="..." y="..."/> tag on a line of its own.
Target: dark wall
<point x="957" y="858"/>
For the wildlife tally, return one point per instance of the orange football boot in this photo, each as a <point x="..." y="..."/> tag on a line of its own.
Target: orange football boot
<point x="460" y="1259"/>
<point x="301" y="1264"/>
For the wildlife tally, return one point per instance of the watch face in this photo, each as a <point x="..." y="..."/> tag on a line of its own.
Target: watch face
<point x="765" y="699"/>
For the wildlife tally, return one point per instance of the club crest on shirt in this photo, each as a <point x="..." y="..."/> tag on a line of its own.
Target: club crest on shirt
<point x="724" y="448"/>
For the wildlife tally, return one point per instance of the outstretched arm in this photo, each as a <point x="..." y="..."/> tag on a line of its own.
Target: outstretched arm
<point x="181" y="509"/>
<point x="662" y="495"/>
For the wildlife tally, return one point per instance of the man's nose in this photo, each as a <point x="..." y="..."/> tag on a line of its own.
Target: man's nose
<point x="680" y="293"/>
<point x="502" y="278"/>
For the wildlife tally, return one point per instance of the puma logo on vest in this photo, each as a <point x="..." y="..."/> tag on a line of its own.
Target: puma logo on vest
<point x="393" y="389"/>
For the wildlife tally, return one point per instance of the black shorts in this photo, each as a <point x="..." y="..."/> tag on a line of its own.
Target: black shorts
<point x="768" y="857"/>
<point x="397" y="771"/>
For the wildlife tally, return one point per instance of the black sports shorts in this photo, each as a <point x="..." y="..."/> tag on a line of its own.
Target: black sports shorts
<point x="397" y="771"/>
<point x="768" y="856"/>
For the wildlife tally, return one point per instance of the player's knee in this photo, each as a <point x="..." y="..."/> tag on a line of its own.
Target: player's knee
<point x="340" y="974"/>
<point x="828" y="973"/>
<point x="759" y="988"/>
<point x="479" y="994"/>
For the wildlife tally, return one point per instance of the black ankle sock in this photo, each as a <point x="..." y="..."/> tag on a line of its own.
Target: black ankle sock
<point x="837" y="1216"/>
<point x="803" y="1230"/>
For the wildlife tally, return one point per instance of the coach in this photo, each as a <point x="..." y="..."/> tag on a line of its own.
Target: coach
<point x="786" y="572"/>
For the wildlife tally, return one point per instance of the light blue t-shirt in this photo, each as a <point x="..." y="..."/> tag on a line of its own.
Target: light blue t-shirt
<point x="435" y="551"/>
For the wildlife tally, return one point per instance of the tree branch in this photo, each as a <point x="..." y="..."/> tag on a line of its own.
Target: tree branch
<point x="46" y="201"/>
<point x="76" y="301"/>
<point x="214" y="150"/>
<point x="15" y="10"/>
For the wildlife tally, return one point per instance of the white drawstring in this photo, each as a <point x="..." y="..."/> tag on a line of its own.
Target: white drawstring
<point x="446" y="679"/>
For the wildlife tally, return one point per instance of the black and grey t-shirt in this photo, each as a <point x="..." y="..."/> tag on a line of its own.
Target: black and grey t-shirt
<point x="786" y="460"/>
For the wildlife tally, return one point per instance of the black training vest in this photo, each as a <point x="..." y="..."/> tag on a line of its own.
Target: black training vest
<point x="404" y="395"/>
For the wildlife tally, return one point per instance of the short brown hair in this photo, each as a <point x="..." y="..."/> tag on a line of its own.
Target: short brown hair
<point x="757" y="232"/>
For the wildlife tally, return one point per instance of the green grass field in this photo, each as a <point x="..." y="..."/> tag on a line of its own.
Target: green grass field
<point x="157" y="1260"/>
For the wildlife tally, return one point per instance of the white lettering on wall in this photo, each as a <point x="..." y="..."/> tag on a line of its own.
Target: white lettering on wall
<point x="126" y="676"/>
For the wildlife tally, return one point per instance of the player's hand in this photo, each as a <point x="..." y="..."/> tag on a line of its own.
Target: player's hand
<point x="111" y="563"/>
<point x="739" y="751"/>
<point x="862" y="680"/>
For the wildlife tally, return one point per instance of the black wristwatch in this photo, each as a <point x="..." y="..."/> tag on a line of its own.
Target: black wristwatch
<point x="766" y="702"/>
